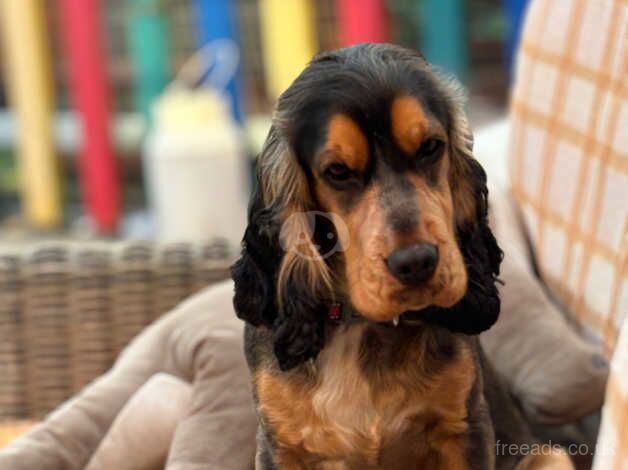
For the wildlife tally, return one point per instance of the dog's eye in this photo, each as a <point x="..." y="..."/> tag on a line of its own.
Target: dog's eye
<point x="338" y="172"/>
<point x="430" y="148"/>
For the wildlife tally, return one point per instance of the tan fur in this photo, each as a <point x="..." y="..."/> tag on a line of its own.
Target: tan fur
<point x="449" y="283"/>
<point x="374" y="292"/>
<point x="372" y="289"/>
<point x="464" y="199"/>
<point x="284" y="183"/>
<point x="460" y="153"/>
<point x="309" y="270"/>
<point x="281" y="177"/>
<point x="345" y="143"/>
<point x="338" y="417"/>
<point x="408" y="123"/>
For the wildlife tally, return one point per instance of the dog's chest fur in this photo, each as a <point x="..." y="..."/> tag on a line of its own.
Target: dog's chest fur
<point x="377" y="397"/>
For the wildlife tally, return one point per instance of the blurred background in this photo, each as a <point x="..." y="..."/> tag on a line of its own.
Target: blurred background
<point x="141" y="118"/>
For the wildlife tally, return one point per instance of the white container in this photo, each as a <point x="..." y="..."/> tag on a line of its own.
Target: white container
<point x="195" y="168"/>
<point x="194" y="161"/>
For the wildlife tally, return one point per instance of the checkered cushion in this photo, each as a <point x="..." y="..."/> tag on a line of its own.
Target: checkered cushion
<point x="569" y="173"/>
<point x="569" y="155"/>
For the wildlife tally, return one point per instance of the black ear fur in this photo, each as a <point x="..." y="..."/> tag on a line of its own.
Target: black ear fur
<point x="298" y="326"/>
<point x="479" y="308"/>
<point x="255" y="271"/>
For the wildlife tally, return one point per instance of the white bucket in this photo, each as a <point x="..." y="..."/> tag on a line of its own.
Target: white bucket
<point x="198" y="187"/>
<point x="195" y="165"/>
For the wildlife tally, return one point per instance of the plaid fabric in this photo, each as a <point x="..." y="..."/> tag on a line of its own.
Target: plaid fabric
<point x="569" y="155"/>
<point x="569" y="173"/>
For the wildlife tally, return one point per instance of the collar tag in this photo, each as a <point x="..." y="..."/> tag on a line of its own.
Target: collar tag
<point x="335" y="312"/>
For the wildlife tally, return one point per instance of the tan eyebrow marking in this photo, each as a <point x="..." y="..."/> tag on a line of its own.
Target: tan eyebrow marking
<point x="345" y="140"/>
<point x="409" y="123"/>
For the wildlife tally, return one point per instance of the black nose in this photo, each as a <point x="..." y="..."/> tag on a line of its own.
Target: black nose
<point x="414" y="264"/>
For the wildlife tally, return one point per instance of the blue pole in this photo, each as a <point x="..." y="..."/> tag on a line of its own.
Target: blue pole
<point x="515" y="13"/>
<point x="444" y="35"/>
<point x="216" y="19"/>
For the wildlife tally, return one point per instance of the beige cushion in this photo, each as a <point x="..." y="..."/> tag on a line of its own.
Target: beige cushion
<point x="199" y="342"/>
<point x="141" y="434"/>
<point x="556" y="375"/>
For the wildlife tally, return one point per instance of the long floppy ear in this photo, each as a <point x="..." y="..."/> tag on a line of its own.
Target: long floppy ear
<point x="254" y="272"/>
<point x="479" y="308"/>
<point x="281" y="281"/>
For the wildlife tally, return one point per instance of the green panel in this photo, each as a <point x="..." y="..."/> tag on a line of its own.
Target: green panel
<point x="444" y="39"/>
<point x="147" y="32"/>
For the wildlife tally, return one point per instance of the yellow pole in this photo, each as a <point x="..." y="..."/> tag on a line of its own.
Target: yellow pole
<point x="288" y="40"/>
<point x="29" y="80"/>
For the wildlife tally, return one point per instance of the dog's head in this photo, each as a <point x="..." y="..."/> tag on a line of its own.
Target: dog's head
<point x="368" y="194"/>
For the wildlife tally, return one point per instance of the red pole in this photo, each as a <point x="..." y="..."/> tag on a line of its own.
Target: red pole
<point x="80" y="23"/>
<point x="361" y="21"/>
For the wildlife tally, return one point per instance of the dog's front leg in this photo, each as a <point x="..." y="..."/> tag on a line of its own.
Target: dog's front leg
<point x="264" y="454"/>
<point x="470" y="445"/>
<point x="452" y="455"/>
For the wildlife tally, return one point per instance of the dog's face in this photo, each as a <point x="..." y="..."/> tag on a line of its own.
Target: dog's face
<point x="373" y="137"/>
<point x="388" y="183"/>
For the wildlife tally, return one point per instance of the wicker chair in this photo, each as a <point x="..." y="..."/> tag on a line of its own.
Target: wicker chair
<point x="67" y="310"/>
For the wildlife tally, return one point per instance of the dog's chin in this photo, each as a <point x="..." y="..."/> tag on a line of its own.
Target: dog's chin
<point x="390" y="307"/>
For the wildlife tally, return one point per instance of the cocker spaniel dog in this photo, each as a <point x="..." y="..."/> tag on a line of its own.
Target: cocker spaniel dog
<point x="367" y="269"/>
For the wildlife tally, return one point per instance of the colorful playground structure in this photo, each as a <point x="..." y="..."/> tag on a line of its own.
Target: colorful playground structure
<point x="287" y="31"/>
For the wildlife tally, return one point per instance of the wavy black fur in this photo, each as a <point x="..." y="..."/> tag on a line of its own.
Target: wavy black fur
<point x="255" y="271"/>
<point x="298" y="327"/>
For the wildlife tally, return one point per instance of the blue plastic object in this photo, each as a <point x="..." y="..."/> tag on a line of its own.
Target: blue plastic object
<point x="515" y="13"/>
<point x="216" y="19"/>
